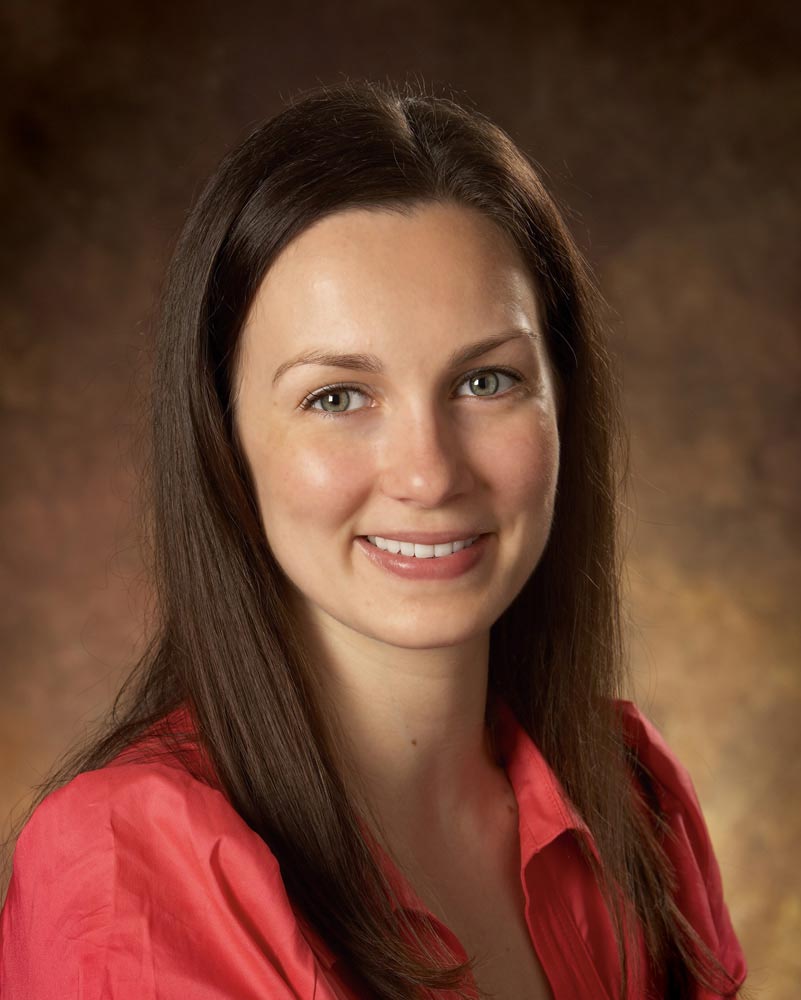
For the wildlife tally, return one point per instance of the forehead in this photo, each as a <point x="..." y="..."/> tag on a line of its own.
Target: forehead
<point x="437" y="269"/>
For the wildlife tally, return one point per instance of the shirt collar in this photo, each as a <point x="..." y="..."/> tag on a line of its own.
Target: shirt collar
<point x="544" y="808"/>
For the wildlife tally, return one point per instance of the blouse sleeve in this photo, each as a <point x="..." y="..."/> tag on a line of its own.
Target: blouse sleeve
<point x="699" y="893"/>
<point x="139" y="882"/>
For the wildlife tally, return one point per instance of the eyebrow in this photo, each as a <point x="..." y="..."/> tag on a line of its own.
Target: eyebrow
<point x="373" y="364"/>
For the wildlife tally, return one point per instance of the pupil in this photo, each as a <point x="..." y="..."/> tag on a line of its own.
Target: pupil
<point x="334" y="396"/>
<point x="477" y="379"/>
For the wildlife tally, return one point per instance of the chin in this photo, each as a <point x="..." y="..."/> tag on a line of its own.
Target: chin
<point x="416" y="632"/>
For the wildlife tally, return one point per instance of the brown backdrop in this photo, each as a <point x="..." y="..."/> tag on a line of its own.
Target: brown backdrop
<point x="673" y="136"/>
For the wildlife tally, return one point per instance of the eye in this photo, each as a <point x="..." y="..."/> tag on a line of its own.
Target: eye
<point x="334" y="399"/>
<point x="485" y="382"/>
<point x="338" y="394"/>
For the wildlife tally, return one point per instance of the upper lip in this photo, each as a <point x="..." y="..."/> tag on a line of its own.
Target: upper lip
<point x="427" y="537"/>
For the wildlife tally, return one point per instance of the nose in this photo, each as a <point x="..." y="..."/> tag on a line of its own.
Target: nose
<point x="424" y="461"/>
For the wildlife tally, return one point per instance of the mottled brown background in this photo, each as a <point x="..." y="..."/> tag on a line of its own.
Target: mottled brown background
<point x="673" y="136"/>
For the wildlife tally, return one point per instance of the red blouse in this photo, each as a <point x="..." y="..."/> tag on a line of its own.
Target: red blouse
<point x="139" y="882"/>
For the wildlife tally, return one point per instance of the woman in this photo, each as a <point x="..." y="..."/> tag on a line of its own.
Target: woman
<point x="377" y="747"/>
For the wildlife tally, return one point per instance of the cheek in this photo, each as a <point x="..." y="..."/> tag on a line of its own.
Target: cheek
<point x="308" y="483"/>
<point x="525" y="466"/>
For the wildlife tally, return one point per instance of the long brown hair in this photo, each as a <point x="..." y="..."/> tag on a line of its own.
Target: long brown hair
<point x="226" y="644"/>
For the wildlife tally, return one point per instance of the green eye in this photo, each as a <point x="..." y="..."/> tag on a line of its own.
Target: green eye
<point x="339" y="393"/>
<point x="484" y="384"/>
<point x="487" y="382"/>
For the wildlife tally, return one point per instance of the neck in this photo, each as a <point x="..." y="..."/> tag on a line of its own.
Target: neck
<point x="410" y="726"/>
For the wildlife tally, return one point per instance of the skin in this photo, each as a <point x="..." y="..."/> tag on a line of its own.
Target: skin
<point x="404" y="663"/>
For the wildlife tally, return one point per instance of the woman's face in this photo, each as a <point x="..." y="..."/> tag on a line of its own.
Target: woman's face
<point x="433" y="434"/>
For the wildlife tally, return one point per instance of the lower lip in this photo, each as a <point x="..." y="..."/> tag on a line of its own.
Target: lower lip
<point x="436" y="568"/>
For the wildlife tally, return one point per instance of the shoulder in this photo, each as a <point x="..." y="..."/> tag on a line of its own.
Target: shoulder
<point x="137" y="873"/>
<point x="670" y="781"/>
<point x="142" y="807"/>
<point x="150" y="817"/>
<point x="686" y="841"/>
<point x="674" y="784"/>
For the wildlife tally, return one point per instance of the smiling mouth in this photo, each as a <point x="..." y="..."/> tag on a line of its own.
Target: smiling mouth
<point x="420" y="551"/>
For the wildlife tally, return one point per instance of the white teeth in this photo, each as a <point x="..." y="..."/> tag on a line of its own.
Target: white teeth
<point x="419" y="551"/>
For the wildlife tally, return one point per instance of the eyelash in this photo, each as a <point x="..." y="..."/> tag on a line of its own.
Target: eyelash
<point x="308" y="401"/>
